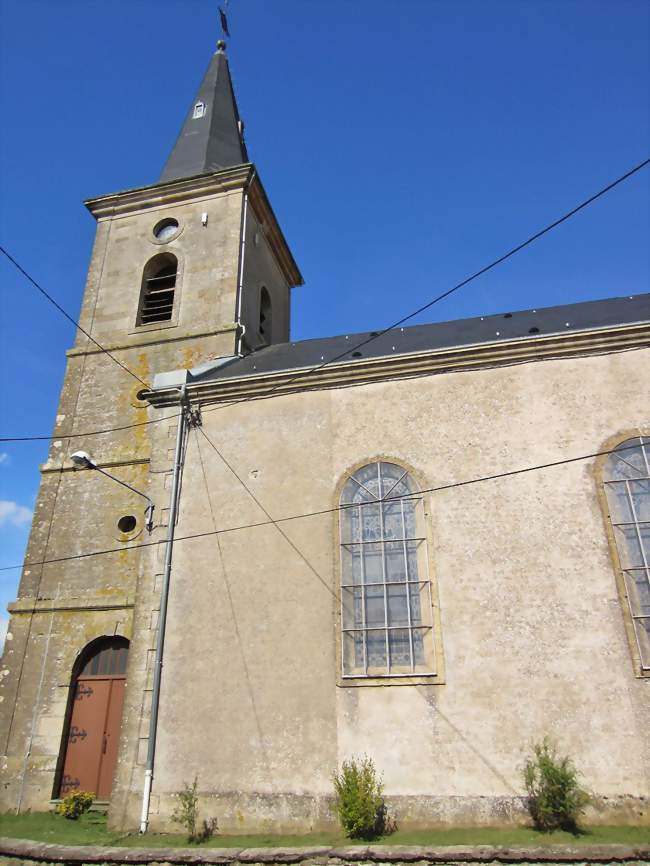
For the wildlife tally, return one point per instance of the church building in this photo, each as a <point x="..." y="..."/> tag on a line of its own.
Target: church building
<point x="254" y="558"/>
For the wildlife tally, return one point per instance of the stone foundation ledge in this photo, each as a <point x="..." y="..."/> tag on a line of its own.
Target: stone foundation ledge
<point x="42" y="852"/>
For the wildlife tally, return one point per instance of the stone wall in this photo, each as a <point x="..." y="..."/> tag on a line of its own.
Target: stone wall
<point x="64" y="604"/>
<point x="531" y="624"/>
<point x="323" y="855"/>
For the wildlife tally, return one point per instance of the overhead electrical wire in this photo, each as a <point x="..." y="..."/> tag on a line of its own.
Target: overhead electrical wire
<point x="308" y="371"/>
<point x="446" y="294"/>
<point x="257" y="502"/>
<point x="89" y="432"/>
<point x="68" y="317"/>
<point x="252" y="399"/>
<point x="414" y="495"/>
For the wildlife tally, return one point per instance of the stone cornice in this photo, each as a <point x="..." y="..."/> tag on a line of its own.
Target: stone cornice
<point x="437" y="361"/>
<point x="66" y="465"/>
<point x="175" y="191"/>
<point x="244" y="177"/>
<point x="92" y="349"/>
<point x="54" y="605"/>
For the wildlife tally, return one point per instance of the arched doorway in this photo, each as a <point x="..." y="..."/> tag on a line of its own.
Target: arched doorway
<point x="92" y="734"/>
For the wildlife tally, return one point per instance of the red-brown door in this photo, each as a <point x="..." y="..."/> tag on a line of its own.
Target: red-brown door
<point x="111" y="739"/>
<point x="91" y="751"/>
<point x="93" y="733"/>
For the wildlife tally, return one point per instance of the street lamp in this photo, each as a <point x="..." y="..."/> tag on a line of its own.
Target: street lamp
<point x="82" y="460"/>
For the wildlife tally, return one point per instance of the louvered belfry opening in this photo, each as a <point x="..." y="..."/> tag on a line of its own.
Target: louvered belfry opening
<point x="157" y="295"/>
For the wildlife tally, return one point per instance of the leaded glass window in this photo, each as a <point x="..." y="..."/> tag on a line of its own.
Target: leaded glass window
<point x="627" y="485"/>
<point x="386" y="610"/>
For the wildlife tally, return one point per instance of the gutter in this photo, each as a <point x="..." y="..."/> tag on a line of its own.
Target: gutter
<point x="349" y="372"/>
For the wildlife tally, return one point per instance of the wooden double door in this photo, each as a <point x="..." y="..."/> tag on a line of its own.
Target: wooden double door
<point x="92" y="740"/>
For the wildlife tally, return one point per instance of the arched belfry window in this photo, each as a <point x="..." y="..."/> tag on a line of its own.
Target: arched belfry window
<point x="157" y="293"/>
<point x="266" y="318"/>
<point x="386" y="603"/>
<point x="627" y="485"/>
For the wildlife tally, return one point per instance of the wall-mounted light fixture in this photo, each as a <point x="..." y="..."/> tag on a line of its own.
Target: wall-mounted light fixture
<point x="83" y="460"/>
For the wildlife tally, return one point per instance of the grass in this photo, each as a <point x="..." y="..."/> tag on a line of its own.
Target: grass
<point x="91" y="829"/>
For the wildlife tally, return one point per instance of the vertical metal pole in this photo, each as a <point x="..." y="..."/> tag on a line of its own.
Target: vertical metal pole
<point x="162" y="616"/>
<point x="240" y="280"/>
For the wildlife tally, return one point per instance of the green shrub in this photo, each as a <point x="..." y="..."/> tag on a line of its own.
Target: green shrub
<point x="187" y="814"/>
<point x="555" y="798"/>
<point x="75" y="804"/>
<point x="359" y="799"/>
<point x="187" y="811"/>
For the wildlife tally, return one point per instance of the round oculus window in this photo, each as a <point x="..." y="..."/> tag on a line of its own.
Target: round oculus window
<point x="127" y="523"/>
<point x="166" y="229"/>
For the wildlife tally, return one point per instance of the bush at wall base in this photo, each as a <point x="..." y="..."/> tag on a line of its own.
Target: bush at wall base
<point x="555" y="798"/>
<point x="187" y="814"/>
<point x="75" y="804"/>
<point x="359" y="797"/>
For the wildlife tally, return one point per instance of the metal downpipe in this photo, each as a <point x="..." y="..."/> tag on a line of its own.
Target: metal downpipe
<point x="183" y="422"/>
<point x="241" y="328"/>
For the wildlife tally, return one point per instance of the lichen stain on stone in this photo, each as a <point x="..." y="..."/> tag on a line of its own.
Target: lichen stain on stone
<point x="189" y="358"/>
<point x="123" y="555"/>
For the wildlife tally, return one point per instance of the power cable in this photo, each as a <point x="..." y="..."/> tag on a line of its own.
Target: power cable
<point x="451" y="486"/>
<point x="438" y="298"/>
<point x="231" y="602"/>
<point x="293" y="391"/>
<point x="70" y="319"/>
<point x="88" y="433"/>
<point x="241" y="481"/>
<point x="364" y="342"/>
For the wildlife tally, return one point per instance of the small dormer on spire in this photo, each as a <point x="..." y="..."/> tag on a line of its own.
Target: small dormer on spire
<point x="212" y="135"/>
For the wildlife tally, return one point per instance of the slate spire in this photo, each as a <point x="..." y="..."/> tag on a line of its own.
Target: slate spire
<point x="212" y="134"/>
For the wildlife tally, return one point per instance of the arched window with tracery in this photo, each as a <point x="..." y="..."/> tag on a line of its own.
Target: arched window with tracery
<point x="626" y="478"/>
<point x="157" y="292"/>
<point x="386" y="602"/>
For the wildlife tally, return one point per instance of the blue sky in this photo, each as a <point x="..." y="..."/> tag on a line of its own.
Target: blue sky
<point x="403" y="145"/>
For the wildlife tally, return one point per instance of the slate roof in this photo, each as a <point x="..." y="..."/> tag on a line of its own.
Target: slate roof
<point x="212" y="141"/>
<point x="528" y="324"/>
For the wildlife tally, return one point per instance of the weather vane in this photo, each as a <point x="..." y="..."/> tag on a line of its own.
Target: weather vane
<point x="224" y="20"/>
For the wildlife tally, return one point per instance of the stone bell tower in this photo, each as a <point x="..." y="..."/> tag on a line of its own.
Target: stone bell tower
<point x="201" y="253"/>
<point x="185" y="271"/>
